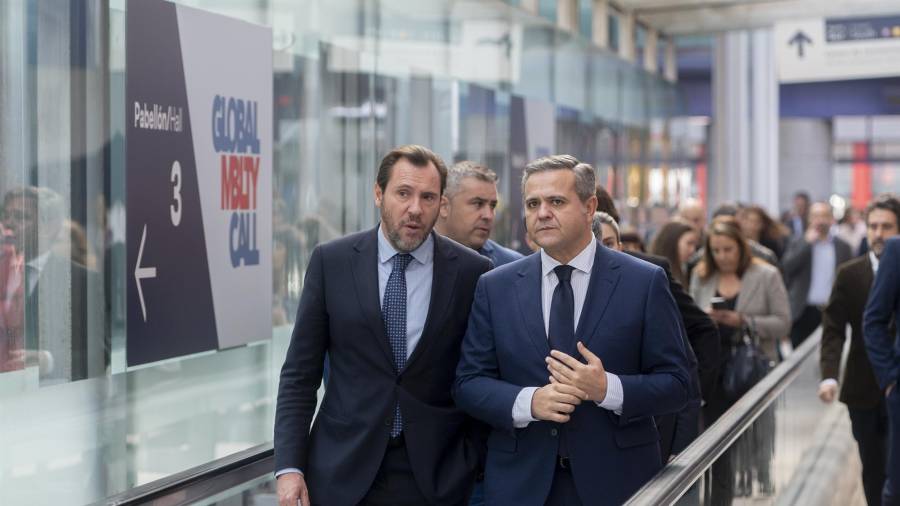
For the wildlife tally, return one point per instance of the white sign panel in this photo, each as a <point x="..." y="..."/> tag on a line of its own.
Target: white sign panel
<point x="834" y="49"/>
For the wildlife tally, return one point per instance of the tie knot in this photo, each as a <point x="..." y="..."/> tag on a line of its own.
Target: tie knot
<point x="563" y="272"/>
<point x="401" y="261"/>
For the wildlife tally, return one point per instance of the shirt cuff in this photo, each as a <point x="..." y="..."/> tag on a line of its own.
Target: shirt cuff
<point x="614" y="395"/>
<point x="521" y="411"/>
<point x="828" y="382"/>
<point x="288" y="470"/>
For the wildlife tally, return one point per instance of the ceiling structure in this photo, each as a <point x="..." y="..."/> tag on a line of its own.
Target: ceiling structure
<point x="681" y="17"/>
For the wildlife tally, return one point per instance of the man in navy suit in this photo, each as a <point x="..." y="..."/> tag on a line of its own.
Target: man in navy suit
<point x="883" y="312"/>
<point x="390" y="307"/>
<point x="468" y="210"/>
<point x="569" y="354"/>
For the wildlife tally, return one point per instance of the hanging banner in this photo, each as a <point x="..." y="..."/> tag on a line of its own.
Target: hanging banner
<point x="198" y="181"/>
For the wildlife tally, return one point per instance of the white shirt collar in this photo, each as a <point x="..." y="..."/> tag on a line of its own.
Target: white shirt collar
<point x="584" y="261"/>
<point x="39" y="261"/>
<point x="423" y="254"/>
<point x="874" y="260"/>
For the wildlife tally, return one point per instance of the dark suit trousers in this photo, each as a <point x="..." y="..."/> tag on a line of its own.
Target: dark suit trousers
<point x="563" y="492"/>
<point x="891" y="493"/>
<point x="870" y="429"/>
<point x="809" y="320"/>
<point x="394" y="484"/>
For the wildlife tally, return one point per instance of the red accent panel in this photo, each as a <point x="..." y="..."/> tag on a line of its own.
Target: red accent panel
<point x="862" y="176"/>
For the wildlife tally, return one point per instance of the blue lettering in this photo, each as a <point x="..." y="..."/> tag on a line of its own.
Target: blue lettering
<point x="242" y="239"/>
<point x="234" y="125"/>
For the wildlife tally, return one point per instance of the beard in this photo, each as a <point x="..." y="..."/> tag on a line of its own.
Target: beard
<point x="877" y="247"/>
<point x="397" y="240"/>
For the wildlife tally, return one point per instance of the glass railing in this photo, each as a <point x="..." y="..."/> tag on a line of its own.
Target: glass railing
<point x="777" y="445"/>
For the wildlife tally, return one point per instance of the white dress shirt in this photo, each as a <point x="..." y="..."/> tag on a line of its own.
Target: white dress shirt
<point x="581" y="277"/>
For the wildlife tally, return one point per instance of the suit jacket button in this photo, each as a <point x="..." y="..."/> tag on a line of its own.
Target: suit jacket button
<point x="554" y="432"/>
<point x="387" y="421"/>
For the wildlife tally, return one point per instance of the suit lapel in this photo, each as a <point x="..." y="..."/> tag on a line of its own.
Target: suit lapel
<point x="528" y="294"/>
<point x="365" y="275"/>
<point x="866" y="276"/>
<point x="443" y="284"/>
<point x="749" y="285"/>
<point x="604" y="278"/>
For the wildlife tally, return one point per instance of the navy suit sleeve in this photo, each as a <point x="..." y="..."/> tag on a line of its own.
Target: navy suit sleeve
<point x="478" y="389"/>
<point x="662" y="386"/>
<point x="301" y="374"/>
<point x="883" y="301"/>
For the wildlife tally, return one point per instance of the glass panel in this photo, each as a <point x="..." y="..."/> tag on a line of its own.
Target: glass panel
<point x="796" y="442"/>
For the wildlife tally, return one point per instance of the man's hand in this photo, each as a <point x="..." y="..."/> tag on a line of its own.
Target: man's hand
<point x="291" y="489"/>
<point x="827" y="392"/>
<point x="812" y="235"/>
<point x="589" y="378"/>
<point x="555" y="402"/>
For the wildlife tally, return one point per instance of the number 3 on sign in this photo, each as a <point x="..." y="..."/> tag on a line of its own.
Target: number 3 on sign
<point x="175" y="208"/>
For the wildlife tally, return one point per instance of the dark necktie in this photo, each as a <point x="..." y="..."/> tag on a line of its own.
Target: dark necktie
<point x="562" y="312"/>
<point x="393" y="312"/>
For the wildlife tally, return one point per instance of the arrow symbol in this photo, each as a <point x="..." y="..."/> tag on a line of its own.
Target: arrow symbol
<point x="142" y="273"/>
<point x="800" y="40"/>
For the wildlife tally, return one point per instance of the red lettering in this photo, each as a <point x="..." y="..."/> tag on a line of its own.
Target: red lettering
<point x="226" y="183"/>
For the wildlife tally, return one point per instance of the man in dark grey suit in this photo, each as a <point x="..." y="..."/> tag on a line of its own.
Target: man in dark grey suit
<point x="809" y="266"/>
<point x="390" y="307"/>
<point x="468" y="210"/>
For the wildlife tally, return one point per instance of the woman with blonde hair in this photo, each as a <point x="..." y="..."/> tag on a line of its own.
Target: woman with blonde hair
<point x="744" y="296"/>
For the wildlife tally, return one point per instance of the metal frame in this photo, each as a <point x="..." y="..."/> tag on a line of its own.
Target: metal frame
<point x="675" y="479"/>
<point x="203" y="481"/>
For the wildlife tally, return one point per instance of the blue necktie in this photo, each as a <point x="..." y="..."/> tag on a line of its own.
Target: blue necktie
<point x="562" y="312"/>
<point x="393" y="311"/>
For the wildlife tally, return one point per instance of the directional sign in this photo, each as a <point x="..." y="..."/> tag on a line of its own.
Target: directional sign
<point x="198" y="181"/>
<point x="800" y="40"/>
<point x="837" y="49"/>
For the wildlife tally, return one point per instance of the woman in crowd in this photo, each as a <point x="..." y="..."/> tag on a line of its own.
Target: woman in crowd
<point x="757" y="225"/>
<point x="751" y="300"/>
<point x="676" y="241"/>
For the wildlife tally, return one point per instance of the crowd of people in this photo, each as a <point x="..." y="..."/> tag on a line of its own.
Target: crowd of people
<point x="462" y="372"/>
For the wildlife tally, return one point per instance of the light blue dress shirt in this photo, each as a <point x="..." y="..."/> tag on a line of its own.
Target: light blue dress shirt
<point x="418" y="284"/>
<point x="581" y="278"/>
<point x="822" y="272"/>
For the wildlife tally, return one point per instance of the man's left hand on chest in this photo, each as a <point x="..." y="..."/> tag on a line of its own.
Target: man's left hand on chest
<point x="589" y="377"/>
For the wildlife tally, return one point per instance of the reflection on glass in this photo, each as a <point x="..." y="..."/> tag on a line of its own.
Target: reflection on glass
<point x="44" y="284"/>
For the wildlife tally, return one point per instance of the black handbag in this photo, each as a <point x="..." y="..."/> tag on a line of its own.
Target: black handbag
<point x="746" y="365"/>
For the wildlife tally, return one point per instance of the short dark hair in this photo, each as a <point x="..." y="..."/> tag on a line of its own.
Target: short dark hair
<point x="420" y="156"/>
<point x="725" y="210"/>
<point x="605" y="203"/>
<point x="886" y="202"/>
<point x="584" y="173"/>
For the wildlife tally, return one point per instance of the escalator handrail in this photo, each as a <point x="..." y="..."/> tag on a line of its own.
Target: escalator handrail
<point x="685" y="469"/>
<point x="202" y="481"/>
